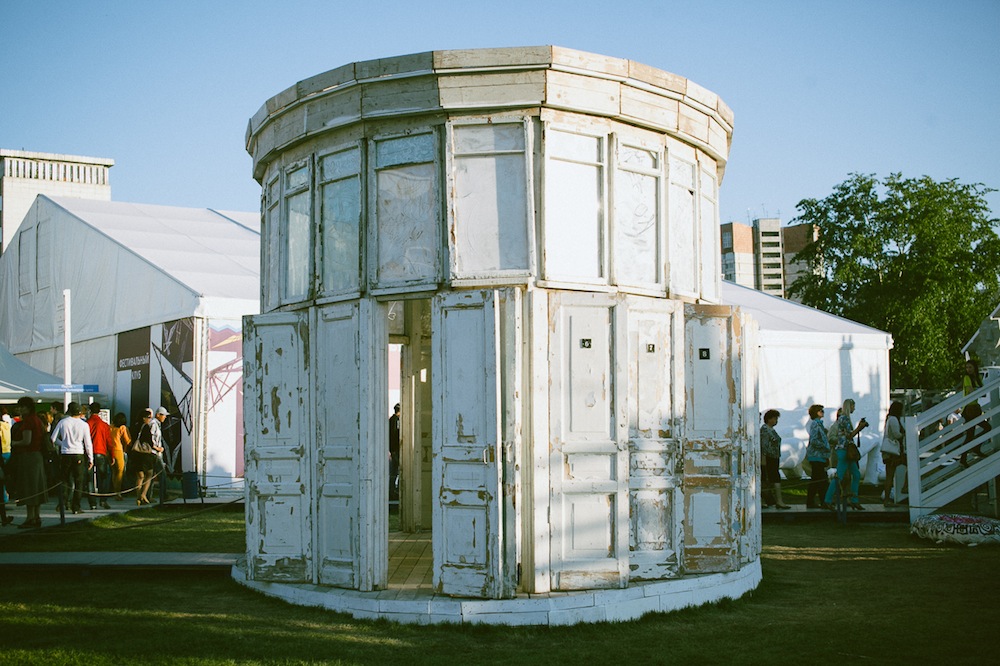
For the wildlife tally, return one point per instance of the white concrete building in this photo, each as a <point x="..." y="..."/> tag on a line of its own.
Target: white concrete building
<point x="24" y="175"/>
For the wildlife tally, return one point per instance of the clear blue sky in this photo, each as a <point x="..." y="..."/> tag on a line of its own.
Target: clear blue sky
<point x="819" y="89"/>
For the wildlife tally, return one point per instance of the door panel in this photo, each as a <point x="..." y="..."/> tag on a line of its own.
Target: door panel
<point x="338" y="382"/>
<point x="276" y="398"/>
<point x="466" y="524"/>
<point x="655" y="497"/>
<point x="589" y="446"/>
<point x="719" y="452"/>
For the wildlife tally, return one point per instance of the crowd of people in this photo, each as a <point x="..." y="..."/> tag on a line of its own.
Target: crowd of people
<point x="74" y="454"/>
<point x="835" y="448"/>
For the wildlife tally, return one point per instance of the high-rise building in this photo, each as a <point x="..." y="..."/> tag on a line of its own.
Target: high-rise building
<point x="738" y="254"/>
<point x="752" y="255"/>
<point x="24" y="175"/>
<point x="795" y="239"/>
<point x="768" y="256"/>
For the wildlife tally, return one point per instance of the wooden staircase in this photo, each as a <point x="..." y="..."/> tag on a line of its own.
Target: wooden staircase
<point x="938" y="477"/>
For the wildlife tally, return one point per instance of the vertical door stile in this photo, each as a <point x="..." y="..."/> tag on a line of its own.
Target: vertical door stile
<point x="538" y="552"/>
<point x="339" y="527"/>
<point x="511" y="392"/>
<point x="619" y="393"/>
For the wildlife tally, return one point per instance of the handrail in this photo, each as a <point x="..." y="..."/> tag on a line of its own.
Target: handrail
<point x="936" y="473"/>
<point x="939" y="411"/>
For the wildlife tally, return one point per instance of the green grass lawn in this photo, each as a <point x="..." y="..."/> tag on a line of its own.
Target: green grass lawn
<point x="860" y="593"/>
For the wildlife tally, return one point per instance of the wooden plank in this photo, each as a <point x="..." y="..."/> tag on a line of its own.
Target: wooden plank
<point x="694" y="123"/>
<point x="657" y="77"/>
<point x="329" y="79"/>
<point x="702" y="95"/>
<point x="503" y="57"/>
<point x="583" y="93"/>
<point x="399" y="95"/>
<point x="718" y="138"/>
<point x="593" y="62"/>
<point x="492" y="89"/>
<point x="414" y="62"/>
<point x="649" y="108"/>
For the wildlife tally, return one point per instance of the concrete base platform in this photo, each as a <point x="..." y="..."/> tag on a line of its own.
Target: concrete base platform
<point x="554" y="608"/>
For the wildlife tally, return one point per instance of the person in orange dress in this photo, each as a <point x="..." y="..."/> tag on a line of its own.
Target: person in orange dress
<point x="120" y="439"/>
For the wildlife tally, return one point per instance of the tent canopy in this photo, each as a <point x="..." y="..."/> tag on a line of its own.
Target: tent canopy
<point x="18" y="379"/>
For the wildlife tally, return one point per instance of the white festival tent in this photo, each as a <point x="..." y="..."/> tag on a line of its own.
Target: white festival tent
<point x="807" y="357"/>
<point x="156" y="300"/>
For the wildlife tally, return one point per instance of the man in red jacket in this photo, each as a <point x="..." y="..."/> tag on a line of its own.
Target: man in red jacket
<point x="100" y="434"/>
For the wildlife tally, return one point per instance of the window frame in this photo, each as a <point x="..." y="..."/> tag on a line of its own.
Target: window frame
<point x="518" y="275"/>
<point x="323" y="292"/>
<point x="377" y="283"/>
<point x="287" y="192"/>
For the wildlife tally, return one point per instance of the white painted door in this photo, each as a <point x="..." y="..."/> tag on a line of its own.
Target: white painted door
<point x="718" y="440"/>
<point x="337" y="366"/>
<point x="276" y="406"/>
<point x="467" y="536"/>
<point x="655" y="378"/>
<point x="589" y="443"/>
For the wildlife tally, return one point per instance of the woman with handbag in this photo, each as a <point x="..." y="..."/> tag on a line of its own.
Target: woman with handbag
<point x="817" y="454"/>
<point x="892" y="448"/>
<point x="847" y="463"/>
<point x="142" y="459"/>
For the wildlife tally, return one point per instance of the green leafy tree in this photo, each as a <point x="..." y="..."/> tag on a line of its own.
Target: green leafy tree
<point x="912" y="256"/>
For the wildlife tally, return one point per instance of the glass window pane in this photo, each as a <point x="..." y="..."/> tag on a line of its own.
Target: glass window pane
<point x="573" y="221"/>
<point x="341" y="164"/>
<point x="488" y="138"/>
<point x="297" y="267"/>
<point x="682" y="173"/>
<point x="297" y="178"/>
<point x="573" y="146"/>
<point x="637" y="158"/>
<point x="491" y="214"/>
<point x="683" y="251"/>
<point x="637" y="256"/>
<point x="341" y="219"/>
<point x="407" y="219"/>
<point x="405" y="150"/>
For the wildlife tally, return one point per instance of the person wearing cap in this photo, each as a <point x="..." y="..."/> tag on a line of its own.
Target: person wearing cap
<point x="142" y="457"/>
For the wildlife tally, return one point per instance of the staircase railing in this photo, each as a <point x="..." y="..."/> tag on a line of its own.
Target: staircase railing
<point x="934" y="450"/>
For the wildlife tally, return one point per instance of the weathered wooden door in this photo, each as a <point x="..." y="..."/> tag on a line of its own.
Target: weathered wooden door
<point x="718" y="438"/>
<point x="276" y="404"/>
<point x="344" y="349"/>
<point x="588" y="462"/>
<point x="467" y="535"/>
<point x="655" y="378"/>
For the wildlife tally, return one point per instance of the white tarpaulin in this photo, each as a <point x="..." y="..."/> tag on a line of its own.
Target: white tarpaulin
<point x="808" y="357"/>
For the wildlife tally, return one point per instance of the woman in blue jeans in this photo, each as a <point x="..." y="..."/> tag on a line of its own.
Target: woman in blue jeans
<point x="846" y="431"/>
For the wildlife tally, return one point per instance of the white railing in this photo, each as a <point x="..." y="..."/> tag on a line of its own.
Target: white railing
<point x="938" y="477"/>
